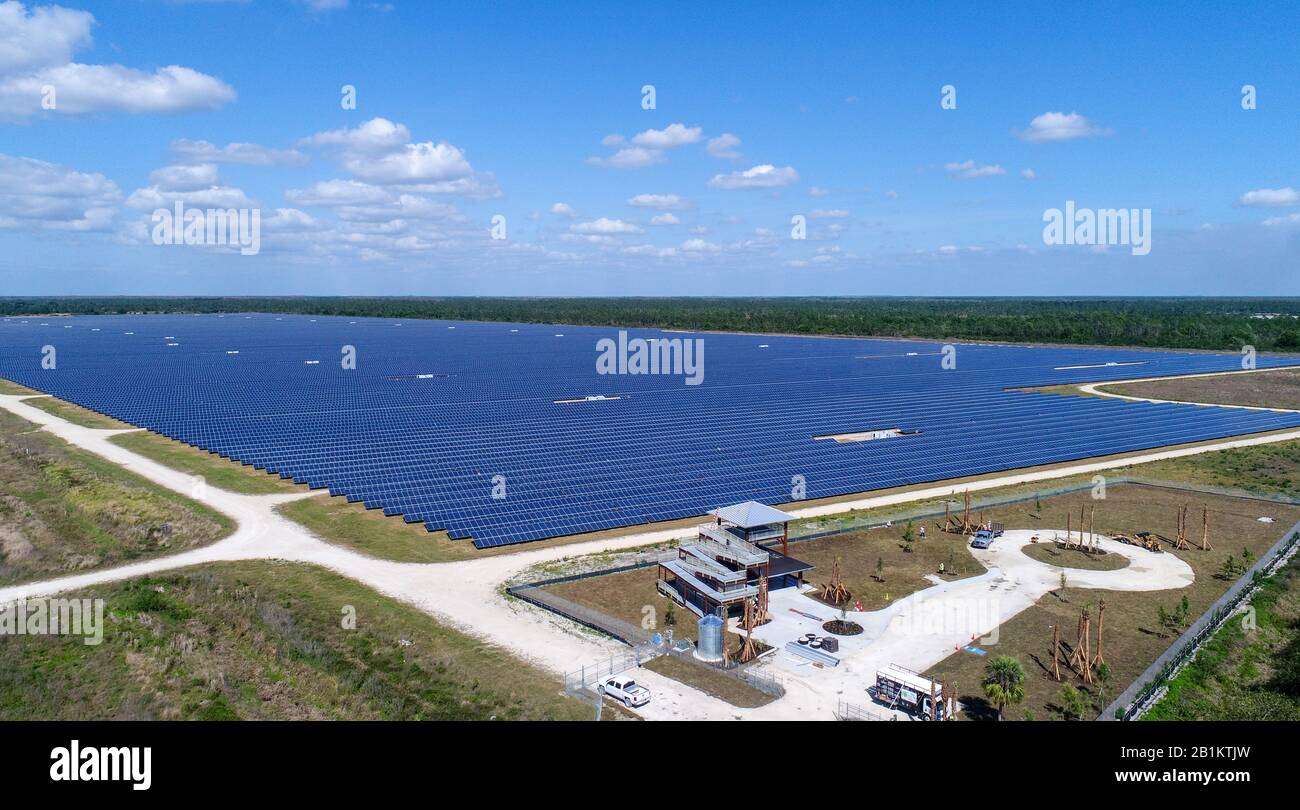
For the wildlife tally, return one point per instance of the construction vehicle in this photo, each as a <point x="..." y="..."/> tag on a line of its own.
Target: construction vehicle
<point x="912" y="692"/>
<point x="1147" y="540"/>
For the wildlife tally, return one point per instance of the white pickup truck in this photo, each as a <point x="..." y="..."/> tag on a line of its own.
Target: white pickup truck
<point x="621" y="687"/>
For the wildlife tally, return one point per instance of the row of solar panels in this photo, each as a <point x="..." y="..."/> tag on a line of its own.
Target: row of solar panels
<point x="428" y="448"/>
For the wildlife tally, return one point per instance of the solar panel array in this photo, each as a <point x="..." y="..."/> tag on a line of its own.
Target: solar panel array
<point x="456" y="425"/>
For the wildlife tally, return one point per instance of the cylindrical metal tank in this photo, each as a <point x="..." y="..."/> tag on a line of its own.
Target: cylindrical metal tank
<point x="709" y="647"/>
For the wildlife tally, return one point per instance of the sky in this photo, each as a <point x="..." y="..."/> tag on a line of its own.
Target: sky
<point x="511" y="149"/>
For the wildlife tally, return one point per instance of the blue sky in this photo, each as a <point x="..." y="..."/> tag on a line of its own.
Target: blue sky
<point x="468" y="111"/>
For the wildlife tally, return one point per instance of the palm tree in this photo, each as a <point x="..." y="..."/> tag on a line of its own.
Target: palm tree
<point x="1004" y="682"/>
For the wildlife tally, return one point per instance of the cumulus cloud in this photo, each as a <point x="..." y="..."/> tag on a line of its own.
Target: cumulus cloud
<point x="247" y="154"/>
<point x="1059" y="126"/>
<point x="724" y="146"/>
<point x="36" y="49"/>
<point x="328" y="193"/>
<point x="184" y="178"/>
<point x="630" y="157"/>
<point x="835" y="213"/>
<point x="564" y="210"/>
<point x="214" y="196"/>
<point x="663" y="202"/>
<point x="604" y="225"/>
<point x="665" y="219"/>
<point x="1028" y="174"/>
<point x="763" y="176"/>
<point x="36" y="195"/>
<point x="379" y="152"/>
<point x="970" y="168"/>
<point x="1270" y="197"/>
<point x="374" y="137"/>
<point x="669" y="137"/>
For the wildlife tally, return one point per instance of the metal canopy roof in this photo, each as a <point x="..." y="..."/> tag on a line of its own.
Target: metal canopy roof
<point x="751" y="514"/>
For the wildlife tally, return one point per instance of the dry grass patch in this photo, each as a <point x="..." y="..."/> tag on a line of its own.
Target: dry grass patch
<point x="1052" y="554"/>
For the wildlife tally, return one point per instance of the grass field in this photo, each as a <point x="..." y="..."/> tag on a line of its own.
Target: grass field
<point x="265" y="640"/>
<point x="64" y="510"/>
<point x="76" y="414"/>
<point x="1133" y="635"/>
<point x="1261" y="389"/>
<point x="1064" y="557"/>
<point x="709" y="681"/>
<point x="215" y="470"/>
<point x="1264" y="468"/>
<point x="14" y="389"/>
<point x="1243" y="672"/>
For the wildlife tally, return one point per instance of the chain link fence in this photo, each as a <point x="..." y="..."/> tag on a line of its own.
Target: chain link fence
<point x="1141" y="694"/>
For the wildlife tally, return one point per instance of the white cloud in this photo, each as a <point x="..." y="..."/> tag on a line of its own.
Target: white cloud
<point x="630" y="157"/>
<point x="184" y="178"/>
<point x="44" y="37"/>
<point x="1028" y="174"/>
<point x="763" y="176"/>
<point x="818" y="191"/>
<point x="337" y="192"/>
<point x="215" y="196"/>
<point x="412" y="164"/>
<point x="248" y="154"/>
<point x="1271" y="196"/>
<point x="604" y="225"/>
<point x="83" y="89"/>
<point x="663" y="202"/>
<point x="891" y="195"/>
<point x="37" y="195"/>
<point x="724" y="146"/>
<point x="36" y="49"/>
<point x="1289" y="219"/>
<point x="564" y="210"/>
<point x="665" y="219"/>
<point x="1058" y="126"/>
<point x="378" y="152"/>
<point x="613" y="139"/>
<point x="700" y="246"/>
<point x="837" y="213"/>
<point x="670" y="136"/>
<point x="376" y="137"/>
<point x="970" y="168"/>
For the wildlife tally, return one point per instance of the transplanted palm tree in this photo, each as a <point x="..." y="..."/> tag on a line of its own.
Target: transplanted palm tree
<point x="1004" y="682"/>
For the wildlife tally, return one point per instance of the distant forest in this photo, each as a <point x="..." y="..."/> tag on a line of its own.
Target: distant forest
<point x="1224" y="324"/>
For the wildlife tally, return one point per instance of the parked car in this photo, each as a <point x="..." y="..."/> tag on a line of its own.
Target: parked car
<point x="627" y="690"/>
<point x="983" y="538"/>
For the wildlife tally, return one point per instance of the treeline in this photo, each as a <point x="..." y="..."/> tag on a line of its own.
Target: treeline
<point x="1224" y="324"/>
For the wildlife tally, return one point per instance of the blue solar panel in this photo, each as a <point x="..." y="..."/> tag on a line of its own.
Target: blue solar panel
<point x="435" y="411"/>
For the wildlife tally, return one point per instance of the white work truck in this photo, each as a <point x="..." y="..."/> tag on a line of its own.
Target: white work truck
<point x="623" y="688"/>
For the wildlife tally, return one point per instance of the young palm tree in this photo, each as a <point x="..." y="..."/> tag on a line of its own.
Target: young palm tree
<point x="1004" y="682"/>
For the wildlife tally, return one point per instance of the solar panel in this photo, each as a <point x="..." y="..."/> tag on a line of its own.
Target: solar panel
<point x="505" y="432"/>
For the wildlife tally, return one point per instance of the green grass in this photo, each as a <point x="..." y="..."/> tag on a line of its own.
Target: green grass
<point x="709" y="681"/>
<point x="215" y="470"/>
<point x="1245" y="673"/>
<point x="265" y="640"/>
<point x="76" y="414"/>
<point x="1263" y="468"/>
<point x="1048" y="552"/>
<point x="64" y="510"/>
<point x="14" y="389"/>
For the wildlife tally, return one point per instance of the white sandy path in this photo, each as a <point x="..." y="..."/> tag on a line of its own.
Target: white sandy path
<point x="468" y="594"/>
